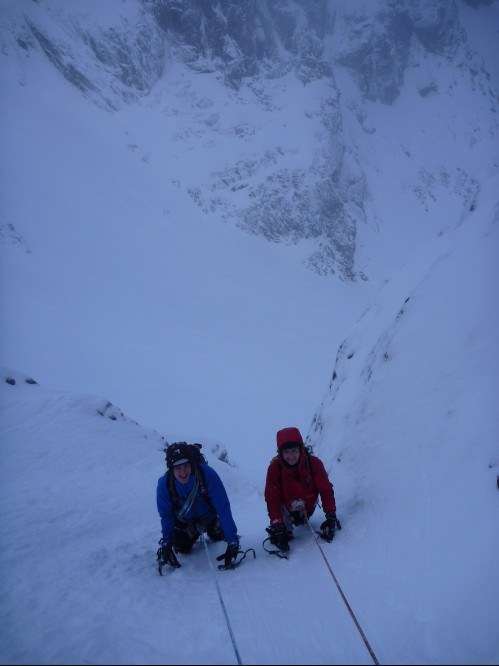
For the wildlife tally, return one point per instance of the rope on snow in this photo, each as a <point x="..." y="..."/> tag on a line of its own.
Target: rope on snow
<point x="359" y="628"/>
<point x="234" y="645"/>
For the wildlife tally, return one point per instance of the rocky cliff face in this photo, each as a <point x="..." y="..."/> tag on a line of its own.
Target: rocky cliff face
<point x="247" y="39"/>
<point x="378" y="49"/>
<point x="319" y="196"/>
<point x="109" y="63"/>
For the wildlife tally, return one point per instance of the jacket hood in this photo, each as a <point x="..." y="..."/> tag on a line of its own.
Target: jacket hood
<point x="288" y="436"/>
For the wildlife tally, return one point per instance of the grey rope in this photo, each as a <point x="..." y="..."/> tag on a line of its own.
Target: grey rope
<point x="203" y="539"/>
<point x="359" y="628"/>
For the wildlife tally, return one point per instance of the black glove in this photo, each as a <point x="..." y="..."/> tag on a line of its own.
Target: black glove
<point x="231" y="555"/>
<point x="279" y="536"/>
<point x="329" y="526"/>
<point x="332" y="516"/>
<point x="168" y="555"/>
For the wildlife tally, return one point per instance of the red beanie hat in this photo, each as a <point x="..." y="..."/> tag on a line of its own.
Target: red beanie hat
<point x="289" y="436"/>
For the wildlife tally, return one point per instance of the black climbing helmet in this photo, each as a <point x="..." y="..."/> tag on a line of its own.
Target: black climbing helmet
<point x="181" y="452"/>
<point x="177" y="453"/>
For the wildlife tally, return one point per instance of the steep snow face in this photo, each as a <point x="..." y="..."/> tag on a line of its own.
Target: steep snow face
<point x="410" y="422"/>
<point x="411" y="336"/>
<point x="299" y="171"/>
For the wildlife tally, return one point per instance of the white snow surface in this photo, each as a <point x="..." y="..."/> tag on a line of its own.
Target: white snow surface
<point x="412" y="453"/>
<point x="143" y="321"/>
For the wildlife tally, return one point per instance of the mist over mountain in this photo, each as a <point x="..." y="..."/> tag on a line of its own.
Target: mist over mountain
<point x="329" y="76"/>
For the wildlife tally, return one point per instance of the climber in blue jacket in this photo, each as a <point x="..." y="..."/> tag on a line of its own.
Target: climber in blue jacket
<point x="192" y="499"/>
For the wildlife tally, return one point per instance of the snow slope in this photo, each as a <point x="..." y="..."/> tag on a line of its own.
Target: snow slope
<point x="410" y="439"/>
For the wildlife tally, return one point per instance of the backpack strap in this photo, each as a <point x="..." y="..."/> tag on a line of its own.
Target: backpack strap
<point x="309" y="466"/>
<point x="170" y="487"/>
<point x="183" y="511"/>
<point x="306" y="449"/>
<point x="200" y="484"/>
<point x="199" y="474"/>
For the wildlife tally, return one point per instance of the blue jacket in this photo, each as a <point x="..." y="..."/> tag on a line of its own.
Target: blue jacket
<point x="201" y="508"/>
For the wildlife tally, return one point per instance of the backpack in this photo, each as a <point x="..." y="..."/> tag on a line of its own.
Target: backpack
<point x="193" y="453"/>
<point x="190" y="451"/>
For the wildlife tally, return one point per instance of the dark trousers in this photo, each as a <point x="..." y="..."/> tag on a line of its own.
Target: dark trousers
<point x="186" y="533"/>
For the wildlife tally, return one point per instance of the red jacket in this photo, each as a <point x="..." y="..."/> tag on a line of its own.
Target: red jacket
<point x="285" y="484"/>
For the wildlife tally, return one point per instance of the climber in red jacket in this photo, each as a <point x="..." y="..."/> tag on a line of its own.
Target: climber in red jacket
<point x="295" y="479"/>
